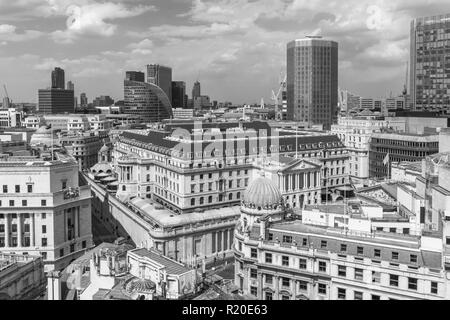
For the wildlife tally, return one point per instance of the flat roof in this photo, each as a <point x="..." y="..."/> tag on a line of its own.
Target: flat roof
<point x="172" y="266"/>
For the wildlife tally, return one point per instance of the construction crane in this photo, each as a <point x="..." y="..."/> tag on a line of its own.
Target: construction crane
<point x="405" y="86"/>
<point x="276" y="97"/>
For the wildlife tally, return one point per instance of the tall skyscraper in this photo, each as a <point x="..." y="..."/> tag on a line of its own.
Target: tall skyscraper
<point x="56" y="101"/>
<point x="196" y="90"/>
<point x="83" y="100"/>
<point x="430" y="63"/>
<point x="135" y="76"/>
<point x="58" y="79"/>
<point x="312" y="81"/>
<point x="70" y="86"/>
<point x="178" y="93"/>
<point x="162" y="77"/>
<point x="147" y="100"/>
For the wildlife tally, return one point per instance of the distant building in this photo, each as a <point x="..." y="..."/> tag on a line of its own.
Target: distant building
<point x="56" y="101"/>
<point x="178" y="94"/>
<point x="162" y="77"/>
<point x="21" y="277"/>
<point x="83" y="100"/>
<point x="429" y="63"/>
<point x="396" y="147"/>
<point x="58" y="79"/>
<point x="135" y="76"/>
<point x="49" y="211"/>
<point x="10" y="118"/>
<point x="147" y="100"/>
<point x="103" y="101"/>
<point x="196" y="90"/>
<point x="202" y="102"/>
<point x="70" y="86"/>
<point x="179" y="113"/>
<point x="348" y="101"/>
<point x="312" y="78"/>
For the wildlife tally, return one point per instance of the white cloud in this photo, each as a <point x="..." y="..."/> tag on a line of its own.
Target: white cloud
<point x="8" y="33"/>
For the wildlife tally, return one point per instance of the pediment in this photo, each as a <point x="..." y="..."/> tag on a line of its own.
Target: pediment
<point x="301" y="165"/>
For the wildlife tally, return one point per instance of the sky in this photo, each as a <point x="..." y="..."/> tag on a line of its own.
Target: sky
<point x="235" y="48"/>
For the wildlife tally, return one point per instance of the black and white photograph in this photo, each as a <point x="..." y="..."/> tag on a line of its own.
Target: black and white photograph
<point x="215" y="156"/>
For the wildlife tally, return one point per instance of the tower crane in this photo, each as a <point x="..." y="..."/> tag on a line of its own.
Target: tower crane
<point x="276" y="97"/>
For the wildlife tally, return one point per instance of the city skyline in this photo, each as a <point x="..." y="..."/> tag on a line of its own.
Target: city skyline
<point x="95" y="43"/>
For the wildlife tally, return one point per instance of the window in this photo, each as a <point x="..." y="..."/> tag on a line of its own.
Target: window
<point x="358" y="295"/>
<point x="322" y="288"/>
<point x="253" y="273"/>
<point x="413" y="258"/>
<point x="434" y="287"/>
<point x="285" y="261"/>
<point x="268" y="258"/>
<point x="287" y="239"/>
<point x="61" y="252"/>
<point x="269" y="296"/>
<point x="359" y="250"/>
<point x="341" y="293"/>
<point x="44" y="255"/>
<point x="270" y="237"/>
<point x="393" y="230"/>
<point x="322" y="266"/>
<point x="303" y="285"/>
<point x="253" y="291"/>
<point x="302" y="264"/>
<point x="269" y="279"/>
<point x="24" y="203"/>
<point x="64" y="183"/>
<point x="412" y="283"/>
<point x="393" y="280"/>
<point x="17" y="188"/>
<point x="342" y="271"/>
<point x="2" y="228"/>
<point x="377" y="253"/>
<point x="193" y="202"/>
<point x="285" y="282"/>
<point x="11" y="203"/>
<point x="253" y="253"/>
<point x="343" y="247"/>
<point x="375" y="297"/>
<point x="43" y="203"/>
<point x="44" y="229"/>
<point x="72" y="247"/>
<point x="26" y="227"/>
<point x="394" y="255"/>
<point x="359" y="274"/>
<point x="44" y="242"/>
<point x="304" y="242"/>
<point x="29" y="188"/>
<point x="323" y="244"/>
<point x="43" y="215"/>
<point x="376" y="277"/>
<point x="14" y="228"/>
<point x="5" y="189"/>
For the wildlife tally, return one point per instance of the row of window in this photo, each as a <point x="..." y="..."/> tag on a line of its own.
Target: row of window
<point x="12" y="203"/>
<point x="17" y="188"/>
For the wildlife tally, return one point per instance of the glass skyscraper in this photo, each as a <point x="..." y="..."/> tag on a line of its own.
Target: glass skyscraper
<point x="160" y="76"/>
<point x="430" y="63"/>
<point x="58" y="79"/>
<point x="312" y="81"/>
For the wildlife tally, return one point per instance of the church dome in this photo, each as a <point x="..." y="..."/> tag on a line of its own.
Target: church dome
<point x="262" y="193"/>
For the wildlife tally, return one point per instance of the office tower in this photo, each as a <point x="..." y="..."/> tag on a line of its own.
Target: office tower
<point x="429" y="63"/>
<point x="196" y="90"/>
<point x="160" y="76"/>
<point x="312" y="79"/>
<point x="56" y="100"/>
<point x="70" y="86"/>
<point x="103" y="101"/>
<point x="146" y="100"/>
<point x="135" y="76"/>
<point x="83" y="100"/>
<point x="58" y="79"/>
<point x="178" y="93"/>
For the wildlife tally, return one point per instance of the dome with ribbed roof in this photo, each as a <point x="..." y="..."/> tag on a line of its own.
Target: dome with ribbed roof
<point x="263" y="194"/>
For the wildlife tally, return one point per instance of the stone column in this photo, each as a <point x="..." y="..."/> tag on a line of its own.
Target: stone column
<point x="19" y="229"/>
<point x="76" y="217"/>
<point x="7" y="215"/>
<point x="32" y="243"/>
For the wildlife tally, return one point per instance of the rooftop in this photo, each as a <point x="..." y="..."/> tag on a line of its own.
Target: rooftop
<point x="172" y="266"/>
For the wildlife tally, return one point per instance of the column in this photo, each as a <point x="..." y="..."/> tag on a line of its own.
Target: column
<point x="65" y="225"/>
<point x="32" y="230"/>
<point x="19" y="229"/>
<point x="7" y="215"/>
<point x="76" y="217"/>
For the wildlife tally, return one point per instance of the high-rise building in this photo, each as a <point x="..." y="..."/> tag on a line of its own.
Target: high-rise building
<point x="146" y="100"/>
<point x="429" y="63"/>
<point x="312" y="79"/>
<point x="58" y="79"/>
<point x="178" y="93"/>
<point x="56" y="100"/>
<point x="196" y="92"/>
<point x="70" y="86"/>
<point x="135" y="76"/>
<point x="103" y="101"/>
<point x="160" y="76"/>
<point x="83" y="100"/>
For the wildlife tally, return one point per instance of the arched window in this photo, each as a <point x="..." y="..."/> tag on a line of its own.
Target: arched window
<point x="124" y="188"/>
<point x="148" y="178"/>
